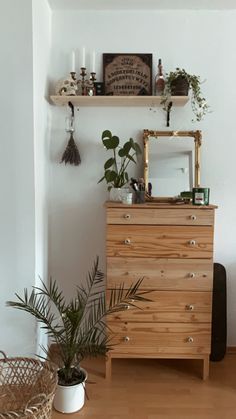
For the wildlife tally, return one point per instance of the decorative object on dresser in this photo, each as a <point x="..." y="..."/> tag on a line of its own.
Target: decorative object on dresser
<point x="201" y="196"/>
<point x="115" y="168"/>
<point x="76" y="327"/>
<point x="178" y="83"/>
<point x="171" y="162"/>
<point x="127" y="74"/>
<point x="171" y="246"/>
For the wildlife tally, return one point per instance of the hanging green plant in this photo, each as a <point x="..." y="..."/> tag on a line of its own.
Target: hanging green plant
<point x="178" y="83"/>
<point x="115" y="168"/>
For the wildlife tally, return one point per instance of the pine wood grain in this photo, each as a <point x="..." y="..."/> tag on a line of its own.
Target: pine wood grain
<point x="156" y="216"/>
<point x="162" y="334"/>
<point x="172" y="249"/>
<point x="168" y="306"/>
<point x="160" y="241"/>
<point x="162" y="274"/>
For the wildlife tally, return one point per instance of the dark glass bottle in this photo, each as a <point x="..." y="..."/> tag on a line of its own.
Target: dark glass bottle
<point x="159" y="80"/>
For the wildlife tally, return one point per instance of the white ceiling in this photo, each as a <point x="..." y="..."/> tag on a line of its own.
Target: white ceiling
<point x="142" y="4"/>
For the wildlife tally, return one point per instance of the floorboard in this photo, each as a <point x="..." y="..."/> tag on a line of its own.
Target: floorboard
<point x="159" y="389"/>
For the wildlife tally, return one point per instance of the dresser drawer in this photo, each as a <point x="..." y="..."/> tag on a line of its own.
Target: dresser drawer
<point x="160" y="241"/>
<point x="194" y="216"/>
<point x="179" y="335"/>
<point x="162" y="274"/>
<point x="168" y="306"/>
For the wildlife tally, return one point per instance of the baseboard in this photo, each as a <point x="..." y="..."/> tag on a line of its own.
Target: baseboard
<point x="231" y="350"/>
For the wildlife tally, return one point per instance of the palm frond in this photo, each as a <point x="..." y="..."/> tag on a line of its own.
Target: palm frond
<point x="80" y="329"/>
<point x="54" y="294"/>
<point x="38" y="306"/>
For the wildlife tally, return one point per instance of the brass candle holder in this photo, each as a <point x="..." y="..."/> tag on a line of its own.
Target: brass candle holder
<point x="85" y="86"/>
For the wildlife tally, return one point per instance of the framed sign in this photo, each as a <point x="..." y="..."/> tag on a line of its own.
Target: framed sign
<point x="127" y="74"/>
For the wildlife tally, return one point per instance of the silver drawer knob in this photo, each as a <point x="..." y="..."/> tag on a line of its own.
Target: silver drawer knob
<point x="127" y="241"/>
<point x="192" y="275"/>
<point x="189" y="307"/>
<point x="193" y="217"/>
<point x="192" y="242"/>
<point x="127" y="216"/>
<point x="126" y="338"/>
<point x="189" y="339"/>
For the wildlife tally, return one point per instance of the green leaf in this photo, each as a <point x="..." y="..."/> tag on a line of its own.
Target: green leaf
<point x="110" y="175"/>
<point x="111" y="143"/>
<point x="131" y="158"/>
<point x="127" y="146"/>
<point x="109" y="163"/>
<point x="137" y="148"/>
<point x="101" y="179"/>
<point x="122" y="152"/>
<point x="106" y="134"/>
<point x="126" y="177"/>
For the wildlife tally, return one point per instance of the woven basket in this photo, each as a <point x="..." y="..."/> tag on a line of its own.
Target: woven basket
<point x="27" y="388"/>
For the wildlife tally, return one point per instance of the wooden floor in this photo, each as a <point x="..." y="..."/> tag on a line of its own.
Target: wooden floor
<point x="156" y="389"/>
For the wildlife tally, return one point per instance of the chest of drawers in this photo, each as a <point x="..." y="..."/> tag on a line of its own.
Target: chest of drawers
<point x="171" y="247"/>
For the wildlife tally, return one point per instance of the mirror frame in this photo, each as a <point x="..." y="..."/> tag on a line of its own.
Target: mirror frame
<point x="196" y="135"/>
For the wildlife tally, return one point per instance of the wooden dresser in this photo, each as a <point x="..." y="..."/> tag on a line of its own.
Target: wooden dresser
<point x="171" y="246"/>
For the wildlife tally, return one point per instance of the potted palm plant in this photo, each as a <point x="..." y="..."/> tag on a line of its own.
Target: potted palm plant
<point x="115" y="168"/>
<point x="178" y="83"/>
<point x="76" y="328"/>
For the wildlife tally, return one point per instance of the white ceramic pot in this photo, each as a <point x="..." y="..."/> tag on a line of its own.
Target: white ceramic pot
<point x="116" y="194"/>
<point x="69" y="399"/>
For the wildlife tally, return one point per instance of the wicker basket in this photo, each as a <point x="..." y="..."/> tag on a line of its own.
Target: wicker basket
<point x="27" y="388"/>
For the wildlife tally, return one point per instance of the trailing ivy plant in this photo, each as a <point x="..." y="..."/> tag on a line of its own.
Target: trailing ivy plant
<point x="198" y="102"/>
<point x="115" y="168"/>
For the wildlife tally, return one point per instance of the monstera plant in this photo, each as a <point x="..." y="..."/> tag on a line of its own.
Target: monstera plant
<point x="115" y="168"/>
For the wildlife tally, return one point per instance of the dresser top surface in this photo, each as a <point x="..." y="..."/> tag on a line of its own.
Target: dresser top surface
<point x="159" y="205"/>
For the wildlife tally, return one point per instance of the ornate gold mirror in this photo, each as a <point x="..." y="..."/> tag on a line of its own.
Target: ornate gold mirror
<point x="171" y="162"/>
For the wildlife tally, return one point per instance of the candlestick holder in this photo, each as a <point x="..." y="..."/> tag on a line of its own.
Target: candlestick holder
<point x="91" y="91"/>
<point x="82" y="83"/>
<point x="85" y="86"/>
<point x="93" y="76"/>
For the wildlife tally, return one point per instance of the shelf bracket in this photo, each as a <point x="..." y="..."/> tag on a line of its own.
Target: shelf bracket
<point x="170" y="104"/>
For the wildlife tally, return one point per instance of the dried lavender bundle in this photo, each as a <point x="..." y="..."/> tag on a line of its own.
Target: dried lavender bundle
<point x="71" y="154"/>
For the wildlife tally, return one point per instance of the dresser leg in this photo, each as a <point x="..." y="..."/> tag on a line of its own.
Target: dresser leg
<point x="205" y="371"/>
<point x="108" y="367"/>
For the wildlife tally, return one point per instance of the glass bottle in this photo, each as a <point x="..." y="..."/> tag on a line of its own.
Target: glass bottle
<point x="159" y="80"/>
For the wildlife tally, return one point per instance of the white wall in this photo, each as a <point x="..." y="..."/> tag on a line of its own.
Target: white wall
<point x="17" y="213"/>
<point x="200" y="42"/>
<point x="41" y="54"/>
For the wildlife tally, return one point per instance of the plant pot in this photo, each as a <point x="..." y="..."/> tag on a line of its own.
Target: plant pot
<point x="70" y="399"/>
<point x="115" y="194"/>
<point x="179" y="86"/>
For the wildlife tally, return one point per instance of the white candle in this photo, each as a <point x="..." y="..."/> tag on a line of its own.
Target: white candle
<point x="93" y="62"/>
<point x="83" y="57"/>
<point x="73" y="61"/>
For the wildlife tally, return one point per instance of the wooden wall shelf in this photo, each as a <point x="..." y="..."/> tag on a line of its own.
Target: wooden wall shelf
<point x="145" y="101"/>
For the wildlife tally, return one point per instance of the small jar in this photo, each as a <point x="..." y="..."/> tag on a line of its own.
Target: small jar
<point x="139" y="197"/>
<point x="201" y="196"/>
<point x="126" y="196"/>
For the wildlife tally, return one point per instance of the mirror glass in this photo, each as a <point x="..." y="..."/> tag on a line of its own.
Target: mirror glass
<point x="171" y="165"/>
<point x="171" y="162"/>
